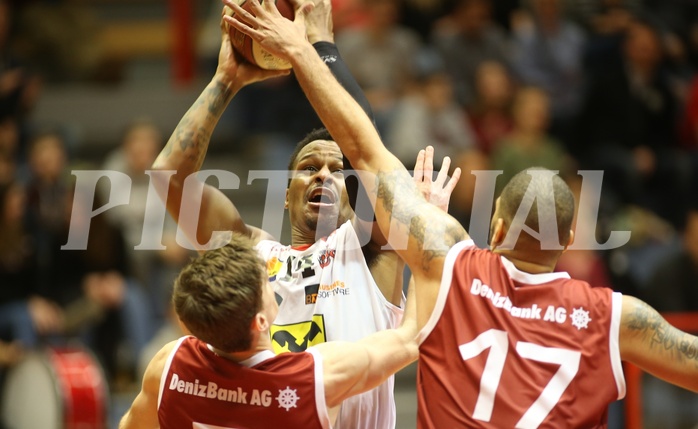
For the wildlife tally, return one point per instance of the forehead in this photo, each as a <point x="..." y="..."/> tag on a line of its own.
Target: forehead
<point x="319" y="148"/>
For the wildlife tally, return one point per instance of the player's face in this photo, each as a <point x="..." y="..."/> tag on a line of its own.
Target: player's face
<point x="316" y="197"/>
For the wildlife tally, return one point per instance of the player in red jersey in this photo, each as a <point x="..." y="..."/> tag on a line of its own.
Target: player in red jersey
<point x="227" y="376"/>
<point x="507" y="342"/>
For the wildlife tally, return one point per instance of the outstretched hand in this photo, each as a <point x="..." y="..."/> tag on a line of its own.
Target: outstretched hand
<point x="265" y="25"/>
<point x="437" y="192"/>
<point x="232" y="65"/>
<point x="318" y="22"/>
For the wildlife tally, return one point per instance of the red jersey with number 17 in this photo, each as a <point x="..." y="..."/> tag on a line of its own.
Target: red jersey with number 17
<point x="508" y="349"/>
<point x="202" y="390"/>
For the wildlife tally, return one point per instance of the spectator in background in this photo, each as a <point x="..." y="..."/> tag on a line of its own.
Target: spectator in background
<point x="628" y="129"/>
<point x="19" y="88"/>
<point x="140" y="144"/>
<point x="603" y="16"/>
<point x="25" y="316"/>
<point x="491" y="120"/>
<point x="61" y="40"/>
<point x="47" y="190"/>
<point x="104" y="306"/>
<point x="529" y="143"/>
<point x="673" y="286"/>
<point x="379" y="55"/>
<point x="606" y="22"/>
<point x="9" y="146"/>
<point x="680" y="20"/>
<point x="465" y="38"/>
<point x="153" y="270"/>
<point x="429" y="114"/>
<point x="490" y="114"/>
<point x="421" y="15"/>
<point x="548" y="53"/>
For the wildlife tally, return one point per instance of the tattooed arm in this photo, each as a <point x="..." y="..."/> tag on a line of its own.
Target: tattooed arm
<point x="420" y="232"/>
<point x="650" y="342"/>
<point x="186" y="149"/>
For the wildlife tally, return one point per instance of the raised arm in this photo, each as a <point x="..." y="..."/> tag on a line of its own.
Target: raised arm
<point x="353" y="368"/>
<point x="186" y="148"/>
<point x="420" y="232"/>
<point x="650" y="342"/>
<point x="143" y="413"/>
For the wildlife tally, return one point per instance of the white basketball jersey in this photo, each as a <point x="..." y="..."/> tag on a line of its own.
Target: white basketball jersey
<point x="326" y="293"/>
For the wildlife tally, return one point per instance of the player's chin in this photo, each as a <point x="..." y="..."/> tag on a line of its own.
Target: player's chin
<point x="323" y="219"/>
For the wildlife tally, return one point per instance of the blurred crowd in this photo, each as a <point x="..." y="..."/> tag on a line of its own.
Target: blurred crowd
<point x="569" y="85"/>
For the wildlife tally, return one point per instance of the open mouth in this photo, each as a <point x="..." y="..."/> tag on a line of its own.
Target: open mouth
<point x="322" y="196"/>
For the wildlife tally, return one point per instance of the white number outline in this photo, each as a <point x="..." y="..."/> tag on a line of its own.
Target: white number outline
<point x="197" y="425"/>
<point x="497" y="341"/>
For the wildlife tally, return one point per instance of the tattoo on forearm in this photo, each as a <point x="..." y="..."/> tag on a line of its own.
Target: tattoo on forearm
<point x="192" y="140"/>
<point x="220" y="96"/>
<point x="652" y="327"/>
<point x="433" y="236"/>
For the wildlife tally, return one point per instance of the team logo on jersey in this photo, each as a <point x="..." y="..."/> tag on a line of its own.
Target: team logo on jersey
<point x="311" y="294"/>
<point x="297" y="337"/>
<point x="287" y="398"/>
<point x="273" y="268"/>
<point x="325" y="257"/>
<point x="580" y="318"/>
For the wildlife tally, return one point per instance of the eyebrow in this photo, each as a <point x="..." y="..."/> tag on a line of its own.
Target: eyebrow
<point x="319" y="155"/>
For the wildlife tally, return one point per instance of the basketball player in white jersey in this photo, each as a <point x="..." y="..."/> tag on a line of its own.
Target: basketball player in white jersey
<point x="330" y="286"/>
<point x="507" y="342"/>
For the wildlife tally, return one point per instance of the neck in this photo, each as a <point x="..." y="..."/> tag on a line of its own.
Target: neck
<point x="242" y="356"/>
<point x="307" y="236"/>
<point x="546" y="265"/>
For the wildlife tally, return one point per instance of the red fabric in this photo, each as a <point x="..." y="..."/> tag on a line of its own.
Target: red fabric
<point x="449" y="384"/>
<point x="243" y="398"/>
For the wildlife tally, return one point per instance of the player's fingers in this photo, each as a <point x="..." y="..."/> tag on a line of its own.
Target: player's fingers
<point x="304" y="10"/>
<point x="443" y="173"/>
<point x="419" y="167"/>
<point x="242" y="26"/>
<point x="270" y="7"/>
<point x="428" y="164"/>
<point x="258" y="10"/>
<point x="451" y="184"/>
<point x="239" y="13"/>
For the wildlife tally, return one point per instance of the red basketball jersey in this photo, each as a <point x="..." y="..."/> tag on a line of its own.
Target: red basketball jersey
<point x="201" y="390"/>
<point x="508" y="349"/>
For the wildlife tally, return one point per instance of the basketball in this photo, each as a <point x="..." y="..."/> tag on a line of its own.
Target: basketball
<point x="251" y="50"/>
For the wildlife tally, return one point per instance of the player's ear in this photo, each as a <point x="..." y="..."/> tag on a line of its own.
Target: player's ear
<point x="570" y="241"/>
<point x="261" y="322"/>
<point x="286" y="201"/>
<point x="498" y="234"/>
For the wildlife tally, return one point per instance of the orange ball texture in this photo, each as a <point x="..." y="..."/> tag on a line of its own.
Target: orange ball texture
<point x="250" y="49"/>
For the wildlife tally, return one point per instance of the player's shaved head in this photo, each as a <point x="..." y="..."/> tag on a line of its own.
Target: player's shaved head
<point x="519" y="187"/>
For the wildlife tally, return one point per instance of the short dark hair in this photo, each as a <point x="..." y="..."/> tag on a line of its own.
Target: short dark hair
<point x="513" y="193"/>
<point x="218" y="294"/>
<point x="314" y="135"/>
